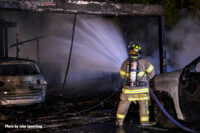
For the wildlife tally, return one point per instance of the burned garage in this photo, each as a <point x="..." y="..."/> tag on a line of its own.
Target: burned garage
<point x="99" y="66"/>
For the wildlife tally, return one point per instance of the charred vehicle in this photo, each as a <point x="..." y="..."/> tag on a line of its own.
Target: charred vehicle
<point x="21" y="82"/>
<point x="179" y="92"/>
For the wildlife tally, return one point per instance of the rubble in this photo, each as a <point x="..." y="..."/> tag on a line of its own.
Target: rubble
<point x="58" y="114"/>
<point x="55" y="114"/>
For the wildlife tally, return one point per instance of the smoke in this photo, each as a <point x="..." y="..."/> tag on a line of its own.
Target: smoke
<point x="98" y="51"/>
<point x="99" y="48"/>
<point x="183" y="43"/>
<point x="144" y="31"/>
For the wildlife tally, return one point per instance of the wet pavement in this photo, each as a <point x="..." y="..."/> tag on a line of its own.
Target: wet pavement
<point x="58" y="114"/>
<point x="109" y="127"/>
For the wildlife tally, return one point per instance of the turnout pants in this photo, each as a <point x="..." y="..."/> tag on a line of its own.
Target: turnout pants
<point x="128" y="96"/>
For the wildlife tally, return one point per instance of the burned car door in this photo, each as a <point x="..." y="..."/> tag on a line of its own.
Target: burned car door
<point x="189" y="91"/>
<point x="179" y="92"/>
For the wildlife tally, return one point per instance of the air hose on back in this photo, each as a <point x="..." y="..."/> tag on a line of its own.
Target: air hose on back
<point x="168" y="115"/>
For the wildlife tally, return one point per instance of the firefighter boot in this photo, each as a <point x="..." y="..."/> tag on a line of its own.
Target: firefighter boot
<point x="119" y="123"/>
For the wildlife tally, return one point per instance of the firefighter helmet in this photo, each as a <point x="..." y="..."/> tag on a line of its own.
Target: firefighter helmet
<point x="135" y="47"/>
<point x="134" y="50"/>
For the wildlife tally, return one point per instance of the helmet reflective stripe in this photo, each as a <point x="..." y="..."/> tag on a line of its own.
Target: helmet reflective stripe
<point x="136" y="48"/>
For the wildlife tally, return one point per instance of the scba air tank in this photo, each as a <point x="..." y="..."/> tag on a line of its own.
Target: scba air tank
<point x="133" y="73"/>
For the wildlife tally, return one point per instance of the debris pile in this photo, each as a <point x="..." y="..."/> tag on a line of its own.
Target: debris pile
<point x="56" y="114"/>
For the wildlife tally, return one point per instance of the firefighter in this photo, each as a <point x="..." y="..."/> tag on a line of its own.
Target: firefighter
<point x="136" y="71"/>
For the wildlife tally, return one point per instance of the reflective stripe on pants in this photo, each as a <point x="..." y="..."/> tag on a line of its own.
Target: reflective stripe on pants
<point x="138" y="99"/>
<point x="121" y="116"/>
<point x="135" y="91"/>
<point x="144" y="118"/>
<point x="144" y="112"/>
<point x="124" y="106"/>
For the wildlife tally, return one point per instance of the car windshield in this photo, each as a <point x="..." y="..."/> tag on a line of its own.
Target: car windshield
<point x="18" y="69"/>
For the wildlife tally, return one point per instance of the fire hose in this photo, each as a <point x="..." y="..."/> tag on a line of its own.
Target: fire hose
<point x="168" y="115"/>
<point x="159" y="105"/>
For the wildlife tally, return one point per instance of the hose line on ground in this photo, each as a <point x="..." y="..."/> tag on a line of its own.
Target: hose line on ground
<point x="86" y="110"/>
<point x="168" y="115"/>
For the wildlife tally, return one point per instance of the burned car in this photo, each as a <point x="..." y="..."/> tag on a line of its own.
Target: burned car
<point x="179" y="92"/>
<point x="21" y="82"/>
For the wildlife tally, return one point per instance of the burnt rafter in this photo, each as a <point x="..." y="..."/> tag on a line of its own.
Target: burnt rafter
<point x="82" y="7"/>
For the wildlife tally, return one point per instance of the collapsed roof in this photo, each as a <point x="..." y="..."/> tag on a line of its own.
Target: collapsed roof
<point x="82" y="7"/>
